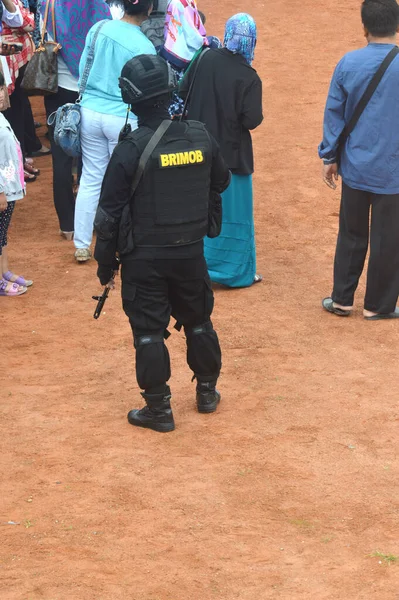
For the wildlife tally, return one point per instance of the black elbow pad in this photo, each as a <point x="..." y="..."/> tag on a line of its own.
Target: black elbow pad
<point x="105" y="226"/>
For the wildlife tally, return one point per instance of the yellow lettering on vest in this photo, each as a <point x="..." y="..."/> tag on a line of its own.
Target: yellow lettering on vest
<point x="184" y="158"/>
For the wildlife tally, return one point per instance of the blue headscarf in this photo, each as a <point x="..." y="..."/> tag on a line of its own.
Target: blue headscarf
<point x="240" y="36"/>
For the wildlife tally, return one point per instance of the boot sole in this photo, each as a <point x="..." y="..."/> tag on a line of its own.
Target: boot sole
<point x="207" y="410"/>
<point x="160" y="428"/>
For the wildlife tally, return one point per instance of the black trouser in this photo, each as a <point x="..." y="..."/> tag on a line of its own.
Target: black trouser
<point x="152" y="291"/>
<point x="353" y="238"/>
<point x="32" y="142"/>
<point x="20" y="116"/>
<point x="64" y="199"/>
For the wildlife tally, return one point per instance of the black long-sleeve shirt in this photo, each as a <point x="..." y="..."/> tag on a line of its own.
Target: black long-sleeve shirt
<point x="116" y="189"/>
<point x="227" y="97"/>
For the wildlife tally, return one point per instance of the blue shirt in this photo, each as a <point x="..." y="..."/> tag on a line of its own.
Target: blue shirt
<point x="370" y="159"/>
<point x="117" y="43"/>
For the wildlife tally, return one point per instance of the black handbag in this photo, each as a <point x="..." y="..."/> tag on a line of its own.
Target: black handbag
<point x="41" y="73"/>
<point x="365" y="99"/>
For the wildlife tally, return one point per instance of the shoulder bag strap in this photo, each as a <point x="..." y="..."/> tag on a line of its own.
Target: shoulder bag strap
<point x="365" y="99"/>
<point x="45" y="19"/>
<point x="53" y="20"/>
<point x="148" y="150"/>
<point x="90" y="60"/>
<point x="192" y="83"/>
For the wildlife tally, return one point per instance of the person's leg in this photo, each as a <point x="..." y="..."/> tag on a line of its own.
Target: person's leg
<point x="192" y="303"/>
<point x="95" y="154"/>
<point x="32" y="142"/>
<point x="383" y="270"/>
<point x="352" y="245"/>
<point x="9" y="275"/>
<point x="145" y="302"/>
<point x="16" y="113"/>
<point x="7" y="288"/>
<point x="4" y="226"/>
<point x="64" y="200"/>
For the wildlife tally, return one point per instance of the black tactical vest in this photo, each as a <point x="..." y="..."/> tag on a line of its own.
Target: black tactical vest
<point x="170" y="206"/>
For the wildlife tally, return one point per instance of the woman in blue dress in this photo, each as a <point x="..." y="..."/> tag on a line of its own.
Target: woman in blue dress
<point x="227" y="97"/>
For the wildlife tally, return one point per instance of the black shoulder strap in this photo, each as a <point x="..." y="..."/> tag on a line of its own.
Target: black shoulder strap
<point x="148" y="150"/>
<point x="371" y="88"/>
<point x="190" y="89"/>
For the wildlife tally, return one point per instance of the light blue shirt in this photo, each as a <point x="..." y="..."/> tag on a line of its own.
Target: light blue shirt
<point x="117" y="43"/>
<point x="370" y="159"/>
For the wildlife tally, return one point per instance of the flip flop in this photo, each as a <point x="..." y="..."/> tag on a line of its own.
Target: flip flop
<point x="258" y="278"/>
<point x="9" y="276"/>
<point x="7" y="288"/>
<point x="328" y="305"/>
<point x="28" y="177"/>
<point x="29" y="168"/>
<point x="380" y="317"/>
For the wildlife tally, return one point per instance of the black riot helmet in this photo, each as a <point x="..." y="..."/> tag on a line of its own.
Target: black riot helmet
<point x="144" y="77"/>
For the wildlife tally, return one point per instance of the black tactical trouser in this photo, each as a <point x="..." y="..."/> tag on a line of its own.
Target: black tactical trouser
<point x="155" y="289"/>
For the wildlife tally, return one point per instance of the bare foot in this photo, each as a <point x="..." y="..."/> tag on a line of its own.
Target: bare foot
<point x="335" y="305"/>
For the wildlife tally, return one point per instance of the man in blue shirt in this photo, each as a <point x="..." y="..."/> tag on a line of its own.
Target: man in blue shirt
<point x="369" y="167"/>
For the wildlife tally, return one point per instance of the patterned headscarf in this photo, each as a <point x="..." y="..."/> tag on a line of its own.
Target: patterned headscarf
<point x="240" y="36"/>
<point x="73" y="19"/>
<point x="184" y="31"/>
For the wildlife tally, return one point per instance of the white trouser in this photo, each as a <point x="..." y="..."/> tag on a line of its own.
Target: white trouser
<point x="99" y="135"/>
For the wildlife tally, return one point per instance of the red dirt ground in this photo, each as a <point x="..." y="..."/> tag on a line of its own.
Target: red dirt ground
<point x="289" y="489"/>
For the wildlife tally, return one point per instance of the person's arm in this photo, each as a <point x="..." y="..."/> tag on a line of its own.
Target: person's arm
<point x="333" y="126"/>
<point x="11" y="14"/>
<point x="252" y="114"/>
<point x="28" y="20"/>
<point x="115" y="194"/>
<point x="9" y="6"/>
<point x="220" y="172"/>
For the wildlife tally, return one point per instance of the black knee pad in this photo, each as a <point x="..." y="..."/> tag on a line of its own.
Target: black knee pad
<point x="203" y="350"/>
<point x="145" y="340"/>
<point x="199" y="329"/>
<point x="152" y="360"/>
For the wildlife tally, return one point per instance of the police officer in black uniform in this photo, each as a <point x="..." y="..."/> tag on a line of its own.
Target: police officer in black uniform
<point x="158" y="233"/>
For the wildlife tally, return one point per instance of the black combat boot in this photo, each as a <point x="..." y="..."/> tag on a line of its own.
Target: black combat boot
<point x="208" y="397"/>
<point x="157" y="415"/>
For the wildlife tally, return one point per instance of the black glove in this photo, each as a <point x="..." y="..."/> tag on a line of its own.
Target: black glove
<point x="106" y="272"/>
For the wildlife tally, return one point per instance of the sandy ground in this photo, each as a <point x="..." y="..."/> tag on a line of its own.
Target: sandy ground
<point x="286" y="492"/>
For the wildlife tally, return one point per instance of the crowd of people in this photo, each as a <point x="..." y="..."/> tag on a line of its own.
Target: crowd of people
<point x="165" y="174"/>
<point x="174" y="30"/>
